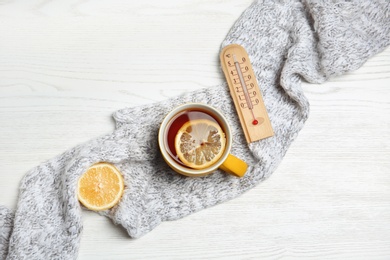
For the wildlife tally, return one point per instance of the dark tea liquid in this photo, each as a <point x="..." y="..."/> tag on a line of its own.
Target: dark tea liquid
<point x="176" y="123"/>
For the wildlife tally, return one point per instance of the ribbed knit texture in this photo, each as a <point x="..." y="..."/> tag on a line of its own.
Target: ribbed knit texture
<point x="287" y="41"/>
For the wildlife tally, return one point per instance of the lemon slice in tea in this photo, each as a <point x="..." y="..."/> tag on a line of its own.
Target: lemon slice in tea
<point x="200" y="143"/>
<point x="100" y="187"/>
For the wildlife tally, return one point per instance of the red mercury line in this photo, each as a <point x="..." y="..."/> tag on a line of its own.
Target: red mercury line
<point x="245" y="89"/>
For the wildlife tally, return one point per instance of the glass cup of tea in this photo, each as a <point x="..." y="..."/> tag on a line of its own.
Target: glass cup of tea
<point x="195" y="139"/>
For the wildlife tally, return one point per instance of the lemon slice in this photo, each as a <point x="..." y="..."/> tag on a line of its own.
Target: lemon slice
<point x="200" y="143"/>
<point x="100" y="187"/>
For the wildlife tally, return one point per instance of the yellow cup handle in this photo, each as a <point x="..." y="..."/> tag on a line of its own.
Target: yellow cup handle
<point x="234" y="166"/>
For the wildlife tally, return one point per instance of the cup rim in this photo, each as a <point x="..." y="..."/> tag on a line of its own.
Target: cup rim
<point x="185" y="170"/>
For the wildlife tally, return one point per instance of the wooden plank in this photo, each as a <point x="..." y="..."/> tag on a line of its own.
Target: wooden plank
<point x="65" y="66"/>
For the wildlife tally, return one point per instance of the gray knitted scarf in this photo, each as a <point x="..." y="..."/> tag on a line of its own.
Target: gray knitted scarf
<point x="287" y="42"/>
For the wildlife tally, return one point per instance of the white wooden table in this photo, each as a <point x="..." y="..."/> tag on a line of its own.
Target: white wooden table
<point x="65" y="66"/>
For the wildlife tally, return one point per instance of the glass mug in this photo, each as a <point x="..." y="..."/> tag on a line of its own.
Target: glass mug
<point x="189" y="112"/>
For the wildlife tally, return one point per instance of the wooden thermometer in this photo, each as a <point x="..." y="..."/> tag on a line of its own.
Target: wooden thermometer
<point x="245" y="93"/>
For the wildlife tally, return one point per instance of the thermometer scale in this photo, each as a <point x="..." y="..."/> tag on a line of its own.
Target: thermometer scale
<point x="245" y="93"/>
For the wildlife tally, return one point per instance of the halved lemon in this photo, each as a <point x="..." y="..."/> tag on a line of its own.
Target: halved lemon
<point x="200" y="143"/>
<point x="100" y="187"/>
